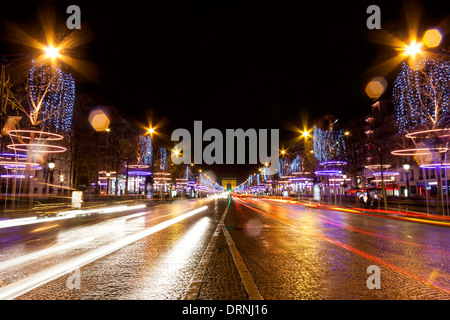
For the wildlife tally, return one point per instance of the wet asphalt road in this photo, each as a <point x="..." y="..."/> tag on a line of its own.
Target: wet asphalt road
<point x="160" y="252"/>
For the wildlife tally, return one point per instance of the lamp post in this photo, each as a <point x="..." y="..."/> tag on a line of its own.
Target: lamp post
<point x="393" y="185"/>
<point x="343" y="186"/>
<point x="406" y="167"/>
<point x="61" y="181"/>
<point x="108" y="174"/>
<point x="150" y="131"/>
<point x="51" y="167"/>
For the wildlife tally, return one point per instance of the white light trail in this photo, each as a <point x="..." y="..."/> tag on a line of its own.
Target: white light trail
<point x="66" y="215"/>
<point x="24" y="285"/>
<point x="42" y="253"/>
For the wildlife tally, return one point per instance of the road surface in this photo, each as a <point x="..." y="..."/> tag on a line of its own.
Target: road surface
<point x="223" y="248"/>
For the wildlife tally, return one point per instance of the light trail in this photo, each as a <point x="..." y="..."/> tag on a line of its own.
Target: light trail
<point x="42" y="253"/>
<point x="340" y="224"/>
<point x="356" y="251"/>
<point x="24" y="285"/>
<point x="66" y="215"/>
<point x="399" y="215"/>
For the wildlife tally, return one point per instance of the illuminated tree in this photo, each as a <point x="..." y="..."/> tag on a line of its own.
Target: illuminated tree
<point x="50" y="95"/>
<point x="145" y="150"/>
<point x="421" y="95"/>
<point x="295" y="165"/>
<point x="328" y="142"/>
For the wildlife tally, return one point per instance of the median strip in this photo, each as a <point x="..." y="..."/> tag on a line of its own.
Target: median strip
<point x="247" y="279"/>
<point x="197" y="279"/>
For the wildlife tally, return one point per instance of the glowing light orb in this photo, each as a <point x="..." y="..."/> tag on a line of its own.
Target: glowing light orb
<point x="99" y="120"/>
<point x="51" y="52"/>
<point x="432" y="38"/>
<point x="376" y="87"/>
<point x="413" y="49"/>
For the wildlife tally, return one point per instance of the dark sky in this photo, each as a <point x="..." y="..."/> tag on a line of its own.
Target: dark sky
<point x="232" y="64"/>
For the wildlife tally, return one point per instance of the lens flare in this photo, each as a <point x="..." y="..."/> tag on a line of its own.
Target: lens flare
<point x="432" y="38"/>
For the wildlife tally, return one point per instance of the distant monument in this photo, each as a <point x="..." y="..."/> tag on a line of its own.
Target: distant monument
<point x="229" y="183"/>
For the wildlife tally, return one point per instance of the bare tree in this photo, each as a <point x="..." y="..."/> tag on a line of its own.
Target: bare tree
<point x="355" y="152"/>
<point x="382" y="138"/>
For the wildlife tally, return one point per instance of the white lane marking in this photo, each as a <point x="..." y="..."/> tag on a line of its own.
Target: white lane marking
<point x="22" y="286"/>
<point x="247" y="279"/>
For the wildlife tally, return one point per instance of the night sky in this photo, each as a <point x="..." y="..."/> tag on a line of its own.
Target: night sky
<point x="232" y="64"/>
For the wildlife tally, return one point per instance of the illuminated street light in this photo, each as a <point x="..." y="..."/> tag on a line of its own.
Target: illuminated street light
<point x="413" y="49"/>
<point x="406" y="167"/>
<point x="51" y="164"/>
<point x="305" y="134"/>
<point x="51" y="167"/>
<point x="393" y="185"/>
<point x="150" y="130"/>
<point x="176" y="152"/>
<point x="52" y="52"/>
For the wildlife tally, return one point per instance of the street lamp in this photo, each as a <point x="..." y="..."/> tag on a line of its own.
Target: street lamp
<point x="61" y="181"/>
<point x="108" y="174"/>
<point x="150" y="131"/>
<point x="393" y="185"/>
<point x="406" y="167"/>
<point x="51" y="52"/>
<point x="413" y="49"/>
<point x="305" y="134"/>
<point x="51" y="167"/>
<point x="51" y="164"/>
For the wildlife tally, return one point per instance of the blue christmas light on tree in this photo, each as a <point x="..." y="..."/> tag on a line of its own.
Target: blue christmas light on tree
<point x="328" y="144"/>
<point x="52" y="95"/>
<point x="145" y="144"/>
<point x="421" y="96"/>
<point x="187" y="174"/>
<point x="163" y="159"/>
<point x="295" y="165"/>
